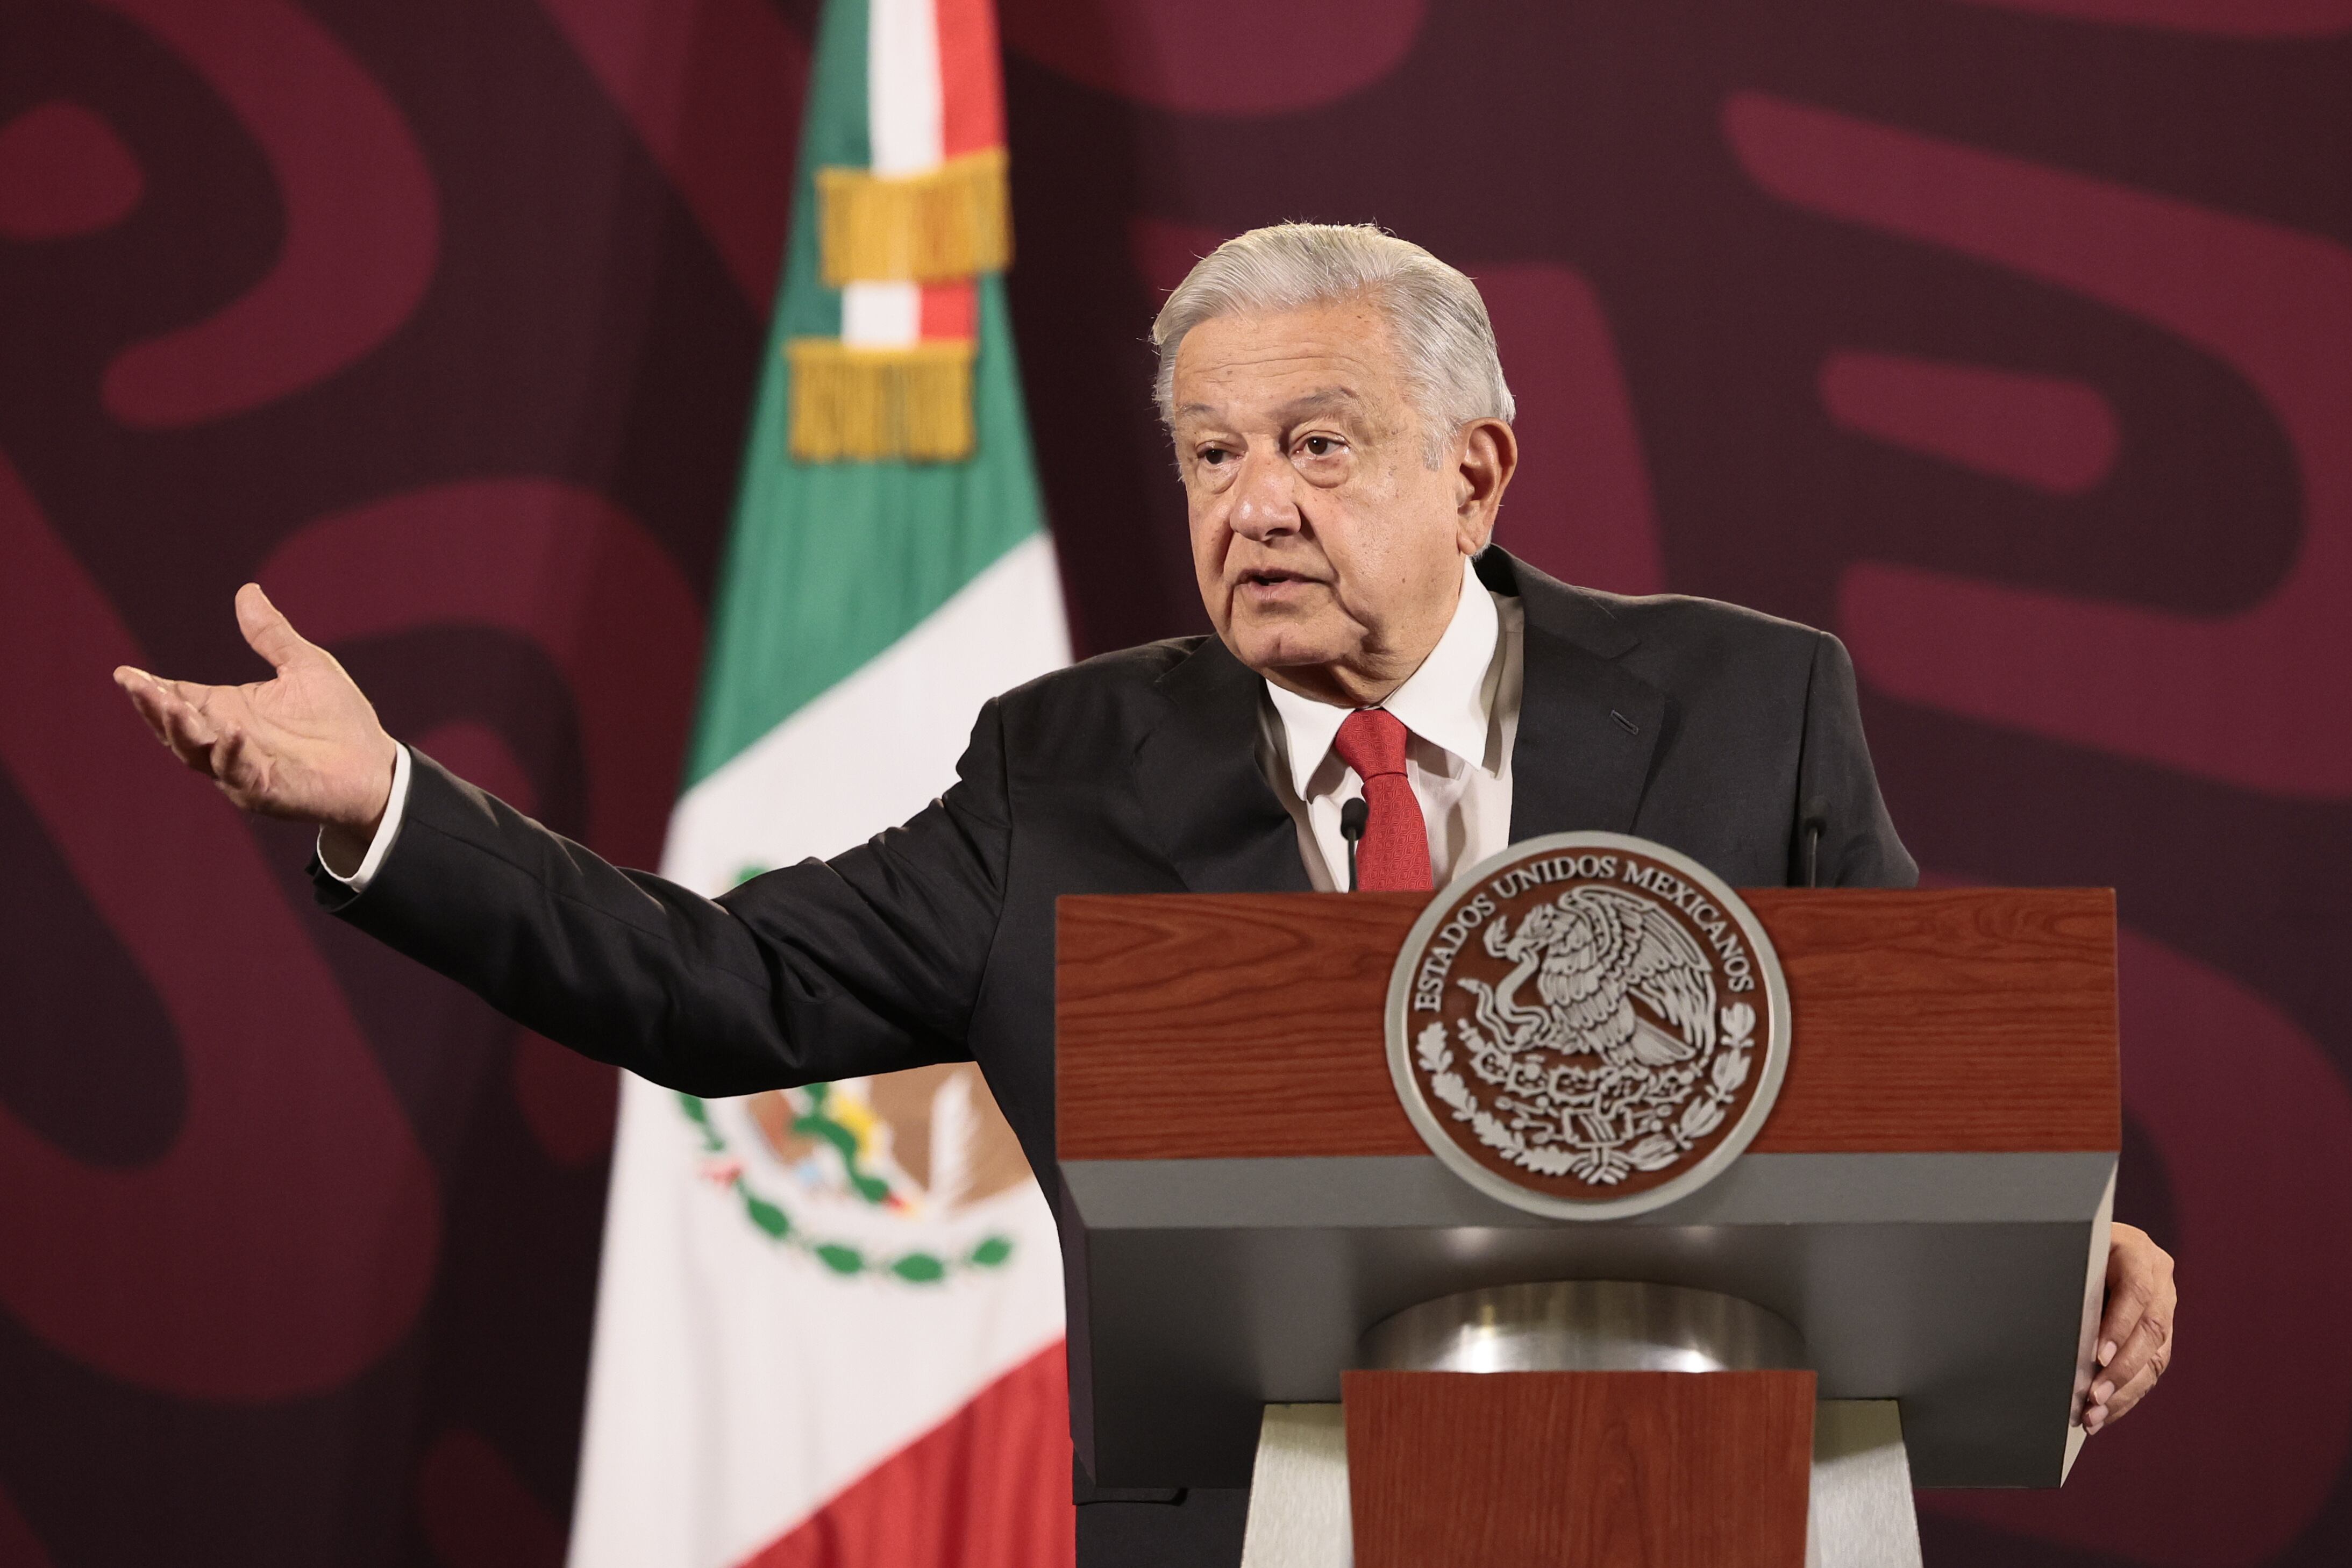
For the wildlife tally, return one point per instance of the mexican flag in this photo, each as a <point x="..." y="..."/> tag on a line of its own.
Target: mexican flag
<point x="829" y="1326"/>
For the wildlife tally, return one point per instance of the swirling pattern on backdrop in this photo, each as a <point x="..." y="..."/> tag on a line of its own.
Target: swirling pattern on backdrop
<point x="2008" y="338"/>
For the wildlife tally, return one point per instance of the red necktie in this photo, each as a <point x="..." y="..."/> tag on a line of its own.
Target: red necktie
<point x="1394" y="855"/>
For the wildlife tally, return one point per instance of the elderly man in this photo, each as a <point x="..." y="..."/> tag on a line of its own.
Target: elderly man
<point x="1344" y="436"/>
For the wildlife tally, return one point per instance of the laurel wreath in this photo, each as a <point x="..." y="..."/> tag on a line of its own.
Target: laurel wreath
<point x="1602" y="1164"/>
<point x="918" y="1266"/>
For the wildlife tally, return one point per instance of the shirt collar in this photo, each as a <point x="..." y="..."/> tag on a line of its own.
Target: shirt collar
<point x="1444" y="702"/>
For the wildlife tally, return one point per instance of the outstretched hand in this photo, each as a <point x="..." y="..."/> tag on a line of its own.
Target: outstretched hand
<point x="304" y="744"/>
<point x="2135" y="1328"/>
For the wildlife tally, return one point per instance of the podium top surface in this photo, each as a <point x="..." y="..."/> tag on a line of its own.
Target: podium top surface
<point x="1957" y="1020"/>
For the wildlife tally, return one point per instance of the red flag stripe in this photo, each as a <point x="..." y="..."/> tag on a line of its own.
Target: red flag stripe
<point x="950" y="310"/>
<point x="972" y="83"/>
<point x="987" y="1488"/>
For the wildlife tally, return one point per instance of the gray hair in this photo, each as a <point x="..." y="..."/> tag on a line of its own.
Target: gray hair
<point x="1443" y="339"/>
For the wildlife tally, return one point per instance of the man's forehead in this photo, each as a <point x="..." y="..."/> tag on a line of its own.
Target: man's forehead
<point x="1337" y="401"/>
<point x="1330" y="360"/>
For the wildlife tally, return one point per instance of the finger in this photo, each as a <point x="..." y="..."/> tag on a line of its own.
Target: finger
<point x="171" y="707"/>
<point x="175" y="711"/>
<point x="191" y="740"/>
<point x="2145" y="1343"/>
<point x="2120" y="1401"/>
<point x="187" y="727"/>
<point x="147" y="697"/>
<point x="236" y="769"/>
<point x="2131" y="1291"/>
<point x="2136" y="1369"/>
<point x="2125" y="1311"/>
<point x="188" y="708"/>
<point x="266" y="631"/>
<point x="2132" y="1392"/>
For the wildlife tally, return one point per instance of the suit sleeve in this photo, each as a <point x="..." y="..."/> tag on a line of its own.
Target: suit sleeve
<point x="863" y="964"/>
<point x="1837" y="789"/>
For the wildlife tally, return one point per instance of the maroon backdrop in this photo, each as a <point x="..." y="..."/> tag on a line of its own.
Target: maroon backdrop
<point x="2013" y="341"/>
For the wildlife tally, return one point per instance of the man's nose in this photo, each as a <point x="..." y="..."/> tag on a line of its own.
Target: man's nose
<point x="1265" y="500"/>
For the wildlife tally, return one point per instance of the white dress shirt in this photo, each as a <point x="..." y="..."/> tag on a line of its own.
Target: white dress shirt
<point x="385" y="831"/>
<point x="1462" y="708"/>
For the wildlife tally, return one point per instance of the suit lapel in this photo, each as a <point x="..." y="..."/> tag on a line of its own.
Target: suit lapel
<point x="1588" y="728"/>
<point x="1197" y="771"/>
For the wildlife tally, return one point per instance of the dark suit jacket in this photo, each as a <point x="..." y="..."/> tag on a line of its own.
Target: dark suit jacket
<point x="1712" y="729"/>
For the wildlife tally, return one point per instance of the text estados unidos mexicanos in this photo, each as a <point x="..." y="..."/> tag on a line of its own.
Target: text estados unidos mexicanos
<point x="1429" y="980"/>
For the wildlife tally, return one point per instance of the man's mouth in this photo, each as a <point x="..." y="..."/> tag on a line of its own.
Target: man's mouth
<point x="1271" y="576"/>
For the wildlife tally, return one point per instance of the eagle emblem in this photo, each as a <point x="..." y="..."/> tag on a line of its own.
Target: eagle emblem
<point x="1580" y="1017"/>
<point x="1592" y="952"/>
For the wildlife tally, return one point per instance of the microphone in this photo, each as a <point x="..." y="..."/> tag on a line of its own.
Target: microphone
<point x="1352" y="817"/>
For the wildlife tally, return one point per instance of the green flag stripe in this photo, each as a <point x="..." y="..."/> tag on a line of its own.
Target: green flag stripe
<point x="834" y="135"/>
<point x="829" y="564"/>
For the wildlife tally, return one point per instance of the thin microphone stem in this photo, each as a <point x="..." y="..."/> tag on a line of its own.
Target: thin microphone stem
<point x="1352" y="817"/>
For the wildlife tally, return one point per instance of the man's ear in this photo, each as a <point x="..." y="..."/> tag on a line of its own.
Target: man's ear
<point x="1489" y="457"/>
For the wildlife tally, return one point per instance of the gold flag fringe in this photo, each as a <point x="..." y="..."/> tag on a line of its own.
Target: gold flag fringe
<point x="946" y="223"/>
<point x="871" y="405"/>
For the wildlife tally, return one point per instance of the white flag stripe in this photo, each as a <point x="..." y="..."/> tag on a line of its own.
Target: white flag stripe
<point x="879" y="746"/>
<point x="698" y="1310"/>
<point x="905" y="103"/>
<point x="881" y="315"/>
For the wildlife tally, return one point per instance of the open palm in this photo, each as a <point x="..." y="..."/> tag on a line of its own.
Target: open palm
<point x="305" y="744"/>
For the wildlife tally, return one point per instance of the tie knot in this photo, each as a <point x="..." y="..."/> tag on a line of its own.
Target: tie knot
<point x="1371" y="741"/>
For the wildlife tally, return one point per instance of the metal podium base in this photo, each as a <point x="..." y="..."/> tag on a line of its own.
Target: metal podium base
<point x="1860" y="1514"/>
<point x="1583" y="1325"/>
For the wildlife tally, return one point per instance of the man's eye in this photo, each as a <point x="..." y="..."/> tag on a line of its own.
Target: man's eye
<point x="1319" y="446"/>
<point x="1214" y="455"/>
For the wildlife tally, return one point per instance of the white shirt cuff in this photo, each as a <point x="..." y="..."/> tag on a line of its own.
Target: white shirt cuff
<point x="385" y="831"/>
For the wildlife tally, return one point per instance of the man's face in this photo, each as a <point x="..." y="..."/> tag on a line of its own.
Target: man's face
<point x="1329" y="549"/>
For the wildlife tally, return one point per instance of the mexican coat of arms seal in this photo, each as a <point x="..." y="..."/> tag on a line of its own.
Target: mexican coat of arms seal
<point x="1587" y="1026"/>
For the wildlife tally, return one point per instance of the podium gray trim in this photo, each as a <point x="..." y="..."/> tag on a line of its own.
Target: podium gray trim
<point x="1953" y="1283"/>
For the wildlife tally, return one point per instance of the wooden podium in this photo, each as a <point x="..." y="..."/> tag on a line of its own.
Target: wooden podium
<point x="1926" y="1207"/>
